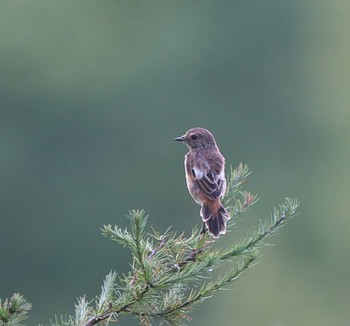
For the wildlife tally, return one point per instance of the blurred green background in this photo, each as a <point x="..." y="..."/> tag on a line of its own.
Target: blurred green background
<point x="92" y="94"/>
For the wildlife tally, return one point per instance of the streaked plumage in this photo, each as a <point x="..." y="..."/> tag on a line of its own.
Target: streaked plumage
<point x="205" y="178"/>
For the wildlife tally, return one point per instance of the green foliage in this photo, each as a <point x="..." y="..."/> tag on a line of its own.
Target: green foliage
<point x="170" y="273"/>
<point x="14" y="310"/>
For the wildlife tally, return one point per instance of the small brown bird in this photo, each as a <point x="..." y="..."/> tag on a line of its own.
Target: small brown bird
<point x="205" y="177"/>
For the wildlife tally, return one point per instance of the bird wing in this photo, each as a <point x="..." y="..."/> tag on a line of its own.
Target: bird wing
<point x="211" y="183"/>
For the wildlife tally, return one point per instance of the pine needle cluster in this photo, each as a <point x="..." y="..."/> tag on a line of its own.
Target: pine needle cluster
<point x="171" y="274"/>
<point x="14" y="310"/>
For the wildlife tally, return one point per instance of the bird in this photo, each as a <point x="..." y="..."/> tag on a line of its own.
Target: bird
<point x="205" y="178"/>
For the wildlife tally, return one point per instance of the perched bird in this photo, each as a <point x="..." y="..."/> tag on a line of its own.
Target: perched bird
<point x="205" y="178"/>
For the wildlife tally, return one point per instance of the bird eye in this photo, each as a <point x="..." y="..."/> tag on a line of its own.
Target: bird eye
<point x="194" y="137"/>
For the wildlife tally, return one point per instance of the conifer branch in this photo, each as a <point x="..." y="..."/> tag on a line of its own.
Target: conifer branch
<point x="14" y="310"/>
<point x="269" y="227"/>
<point x="170" y="273"/>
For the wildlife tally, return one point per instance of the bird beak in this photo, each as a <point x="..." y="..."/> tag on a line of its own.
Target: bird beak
<point x="181" y="138"/>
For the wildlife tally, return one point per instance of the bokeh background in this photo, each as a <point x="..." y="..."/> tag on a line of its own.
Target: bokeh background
<point x="92" y="94"/>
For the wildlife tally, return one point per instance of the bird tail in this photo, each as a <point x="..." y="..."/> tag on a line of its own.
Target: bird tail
<point x="215" y="218"/>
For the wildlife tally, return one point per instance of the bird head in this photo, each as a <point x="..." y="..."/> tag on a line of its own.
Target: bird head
<point x="197" y="138"/>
